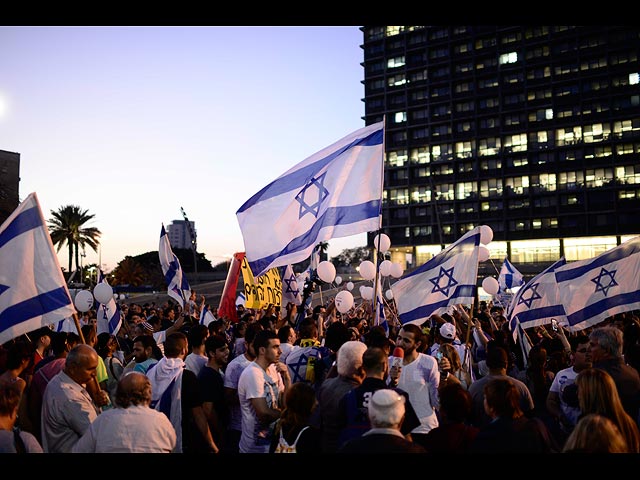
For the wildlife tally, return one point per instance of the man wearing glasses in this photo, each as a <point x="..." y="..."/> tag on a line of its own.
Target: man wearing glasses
<point x="562" y="402"/>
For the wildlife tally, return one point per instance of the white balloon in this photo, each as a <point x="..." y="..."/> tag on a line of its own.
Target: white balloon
<point x="350" y="286"/>
<point x="385" y="268"/>
<point x="385" y="242"/>
<point x="361" y="289"/>
<point x="367" y="293"/>
<point x="122" y="296"/>
<point x="344" y="301"/>
<point x="326" y="271"/>
<point x="83" y="300"/>
<point x="490" y="285"/>
<point x="396" y="270"/>
<point x="103" y="292"/>
<point x="483" y="253"/>
<point x="367" y="270"/>
<point x="389" y="294"/>
<point x="486" y="234"/>
<point x="338" y="280"/>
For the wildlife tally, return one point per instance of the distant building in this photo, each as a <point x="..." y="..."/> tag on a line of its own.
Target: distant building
<point x="179" y="233"/>
<point x="532" y="130"/>
<point x="9" y="182"/>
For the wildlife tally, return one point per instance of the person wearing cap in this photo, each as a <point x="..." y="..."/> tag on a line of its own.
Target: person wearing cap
<point x="447" y="336"/>
<point x="386" y="411"/>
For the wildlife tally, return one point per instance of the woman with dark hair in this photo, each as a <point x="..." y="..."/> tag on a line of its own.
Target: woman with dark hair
<point x="293" y="434"/>
<point x="106" y="347"/>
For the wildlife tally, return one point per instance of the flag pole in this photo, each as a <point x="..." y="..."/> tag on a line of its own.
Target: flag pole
<point x="376" y="315"/>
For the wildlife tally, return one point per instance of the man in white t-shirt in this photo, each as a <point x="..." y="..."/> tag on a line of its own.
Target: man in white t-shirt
<point x="419" y="376"/>
<point x="261" y="390"/>
<point x="566" y="414"/>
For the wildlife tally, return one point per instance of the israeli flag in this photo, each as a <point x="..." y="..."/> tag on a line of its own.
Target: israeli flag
<point x="380" y="317"/>
<point x="537" y="302"/>
<point x="206" y="317"/>
<point x="33" y="292"/>
<point x="336" y="192"/>
<point x="108" y="316"/>
<point x="594" y="289"/>
<point x="290" y="290"/>
<point x="447" y="279"/>
<point x="509" y="276"/>
<point x="178" y="287"/>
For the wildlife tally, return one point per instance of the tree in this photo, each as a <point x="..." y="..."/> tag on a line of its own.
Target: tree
<point x="352" y="257"/>
<point x="67" y="227"/>
<point x="129" y="272"/>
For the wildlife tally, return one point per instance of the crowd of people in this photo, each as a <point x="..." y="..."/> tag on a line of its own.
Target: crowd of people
<point x="318" y="381"/>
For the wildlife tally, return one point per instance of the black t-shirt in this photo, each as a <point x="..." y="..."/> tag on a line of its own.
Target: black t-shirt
<point x="212" y="389"/>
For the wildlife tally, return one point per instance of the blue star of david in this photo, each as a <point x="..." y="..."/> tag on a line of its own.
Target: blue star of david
<point x="315" y="194"/>
<point x="295" y="368"/>
<point x="290" y="283"/>
<point x="600" y="287"/>
<point x="451" y="282"/>
<point x="3" y="288"/>
<point x="534" y="295"/>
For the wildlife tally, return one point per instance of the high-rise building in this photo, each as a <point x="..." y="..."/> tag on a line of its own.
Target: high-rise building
<point x="532" y="130"/>
<point x="179" y="233"/>
<point x="9" y="182"/>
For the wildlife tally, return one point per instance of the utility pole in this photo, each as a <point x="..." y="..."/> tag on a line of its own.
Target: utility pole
<point x="194" y="246"/>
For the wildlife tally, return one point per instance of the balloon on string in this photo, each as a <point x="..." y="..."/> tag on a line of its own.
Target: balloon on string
<point x="83" y="300"/>
<point x="367" y="270"/>
<point x="361" y="290"/>
<point x="367" y="293"/>
<point x="490" y="285"/>
<point x="385" y="268"/>
<point x="385" y="242"/>
<point x="396" y="270"/>
<point x="326" y="271"/>
<point x="338" y="280"/>
<point x="350" y="286"/>
<point x="103" y="292"/>
<point x="486" y="234"/>
<point x="389" y="294"/>
<point x="122" y="296"/>
<point x="344" y="301"/>
<point x="483" y="253"/>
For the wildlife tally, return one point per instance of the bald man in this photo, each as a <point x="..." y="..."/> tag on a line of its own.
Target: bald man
<point x="131" y="427"/>
<point x="67" y="407"/>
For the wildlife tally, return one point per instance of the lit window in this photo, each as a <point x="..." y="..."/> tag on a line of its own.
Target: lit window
<point x="400" y="117"/>
<point x="548" y="113"/>
<point x="634" y="78"/>
<point x="511" y="57"/>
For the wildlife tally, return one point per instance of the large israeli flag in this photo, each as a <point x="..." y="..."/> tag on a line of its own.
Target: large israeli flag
<point x="447" y="279"/>
<point x="336" y="192"/>
<point x="108" y="316"/>
<point x="33" y="292"/>
<point x="178" y="287"/>
<point x="509" y="276"/>
<point x="594" y="289"/>
<point x="537" y="302"/>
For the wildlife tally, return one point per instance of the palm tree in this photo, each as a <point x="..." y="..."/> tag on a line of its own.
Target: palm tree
<point x="322" y="249"/>
<point x="67" y="226"/>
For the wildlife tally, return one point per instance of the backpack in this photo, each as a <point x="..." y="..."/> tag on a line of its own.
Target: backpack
<point x="284" y="447"/>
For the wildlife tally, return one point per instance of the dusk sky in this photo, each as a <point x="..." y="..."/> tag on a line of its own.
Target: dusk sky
<point x="132" y="123"/>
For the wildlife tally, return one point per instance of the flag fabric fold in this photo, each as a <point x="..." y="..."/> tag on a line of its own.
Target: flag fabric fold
<point x="594" y="289"/>
<point x="537" y="302"/>
<point x="509" y="276"/>
<point x="108" y="316"/>
<point x="33" y="291"/>
<point x="178" y="286"/>
<point x="448" y="278"/>
<point x="380" y="317"/>
<point x="336" y="192"/>
<point x="290" y="290"/>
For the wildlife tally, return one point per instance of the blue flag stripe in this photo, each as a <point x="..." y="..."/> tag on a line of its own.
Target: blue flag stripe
<point x="34" y="307"/>
<point x="623" y="301"/>
<point x="427" y="310"/>
<point x="332" y="217"/>
<point x="299" y="178"/>
<point x="25" y="221"/>
<point x="538" y="313"/>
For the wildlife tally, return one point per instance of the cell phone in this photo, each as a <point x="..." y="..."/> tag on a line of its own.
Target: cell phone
<point x="554" y="324"/>
<point x="439" y="355"/>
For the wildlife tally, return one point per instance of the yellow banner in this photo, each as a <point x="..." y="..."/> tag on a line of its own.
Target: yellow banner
<point x="262" y="291"/>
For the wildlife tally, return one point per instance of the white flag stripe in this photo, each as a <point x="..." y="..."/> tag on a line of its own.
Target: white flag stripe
<point x="421" y="293"/>
<point x="290" y="289"/>
<point x="334" y="193"/>
<point x="33" y="292"/>
<point x="594" y="289"/>
<point x="509" y="276"/>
